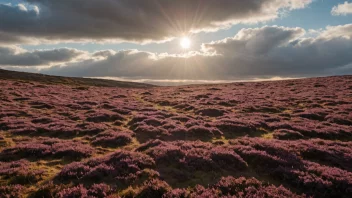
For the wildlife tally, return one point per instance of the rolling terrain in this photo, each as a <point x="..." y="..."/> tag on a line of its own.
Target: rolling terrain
<point x="63" y="137"/>
<point x="47" y="79"/>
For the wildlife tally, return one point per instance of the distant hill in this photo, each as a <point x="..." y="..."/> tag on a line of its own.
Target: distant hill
<point x="24" y="76"/>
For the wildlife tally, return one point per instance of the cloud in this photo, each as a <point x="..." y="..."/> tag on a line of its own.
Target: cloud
<point x="8" y="39"/>
<point x="342" y="9"/>
<point x="280" y="51"/>
<point x="139" y="64"/>
<point x="265" y="52"/>
<point x="338" y="31"/>
<point x="15" y="56"/>
<point x="255" y="41"/>
<point x="133" y="20"/>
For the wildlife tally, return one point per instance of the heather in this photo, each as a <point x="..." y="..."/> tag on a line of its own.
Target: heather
<point x="260" y="139"/>
<point x="19" y="172"/>
<point x="121" y="166"/>
<point x="190" y="157"/>
<point x="47" y="147"/>
<point x="96" y="190"/>
<point x="113" y="138"/>
<point x="11" y="191"/>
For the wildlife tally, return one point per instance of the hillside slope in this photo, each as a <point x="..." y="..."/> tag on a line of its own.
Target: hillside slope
<point x="267" y="139"/>
<point x="47" y="79"/>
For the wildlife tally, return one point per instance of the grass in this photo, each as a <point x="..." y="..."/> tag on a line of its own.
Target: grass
<point x="268" y="136"/>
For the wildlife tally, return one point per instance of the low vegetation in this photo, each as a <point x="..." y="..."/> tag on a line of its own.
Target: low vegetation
<point x="266" y="139"/>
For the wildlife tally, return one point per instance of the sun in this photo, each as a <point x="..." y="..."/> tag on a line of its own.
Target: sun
<point x="185" y="43"/>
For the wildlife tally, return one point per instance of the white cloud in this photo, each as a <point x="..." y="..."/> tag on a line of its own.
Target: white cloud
<point x="22" y="7"/>
<point x="342" y="9"/>
<point x="36" y="9"/>
<point x="338" y="31"/>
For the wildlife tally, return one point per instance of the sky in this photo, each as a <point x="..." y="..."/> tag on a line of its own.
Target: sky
<point x="138" y="40"/>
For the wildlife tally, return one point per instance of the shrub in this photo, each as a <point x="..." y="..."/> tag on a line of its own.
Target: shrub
<point x="11" y="191"/>
<point x="154" y="188"/>
<point x="201" y="132"/>
<point x="104" y="116"/>
<point x="282" y="160"/>
<point x="226" y="158"/>
<point x="99" y="190"/>
<point x="45" y="147"/>
<point x="285" y="134"/>
<point x="145" y="132"/>
<point x="122" y="166"/>
<point x="112" y="139"/>
<point x="77" y="191"/>
<point x="191" y="156"/>
<point x="20" y="172"/>
<point x="211" y="112"/>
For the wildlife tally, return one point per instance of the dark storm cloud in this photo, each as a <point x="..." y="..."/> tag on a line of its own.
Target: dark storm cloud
<point x="7" y="39"/>
<point x="252" y="53"/>
<point x="133" y="20"/>
<point x="14" y="56"/>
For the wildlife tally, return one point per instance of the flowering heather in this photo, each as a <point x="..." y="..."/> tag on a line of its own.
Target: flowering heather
<point x="286" y="134"/>
<point x="78" y="191"/>
<point x="193" y="156"/>
<point x="96" y="191"/>
<point x="120" y="166"/>
<point x="286" y="161"/>
<point x="113" y="139"/>
<point x="261" y="139"/>
<point x="160" y="126"/>
<point x="47" y="147"/>
<point x="211" y="112"/>
<point x="19" y="172"/>
<point x="250" y="187"/>
<point x="154" y="188"/>
<point x="11" y="191"/>
<point x="103" y="116"/>
<point x="234" y="187"/>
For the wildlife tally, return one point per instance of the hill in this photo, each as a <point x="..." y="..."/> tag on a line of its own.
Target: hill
<point x="47" y="79"/>
<point x="261" y="139"/>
